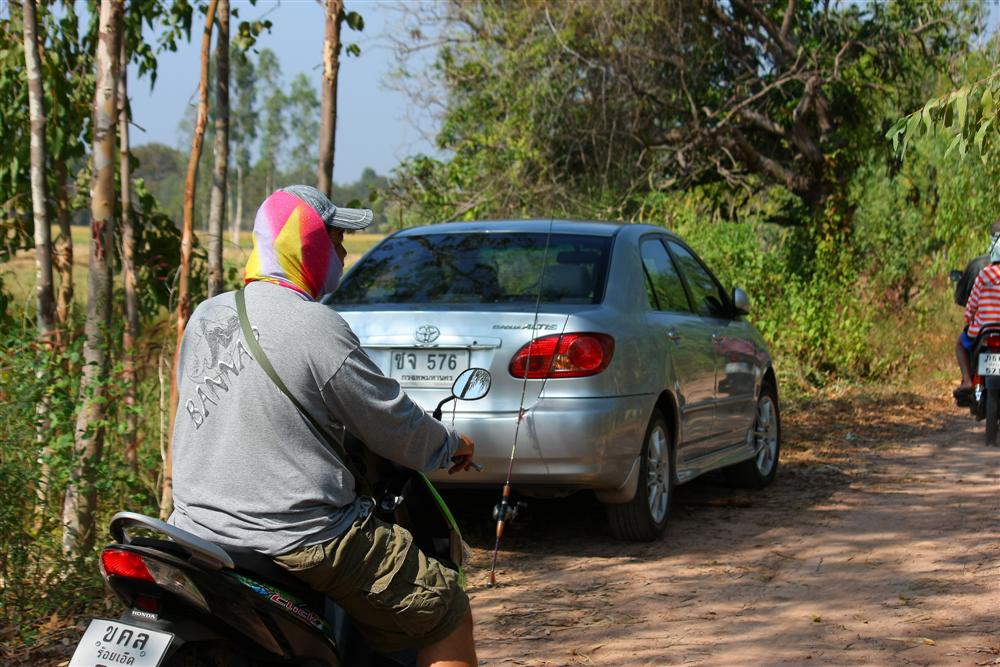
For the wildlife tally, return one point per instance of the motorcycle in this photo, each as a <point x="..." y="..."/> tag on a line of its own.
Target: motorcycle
<point x="985" y="365"/>
<point x="191" y="603"/>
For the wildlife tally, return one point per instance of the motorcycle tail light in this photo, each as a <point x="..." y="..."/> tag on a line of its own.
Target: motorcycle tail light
<point x="131" y="565"/>
<point x="119" y="563"/>
<point x="563" y="356"/>
<point x="174" y="580"/>
<point x="993" y="342"/>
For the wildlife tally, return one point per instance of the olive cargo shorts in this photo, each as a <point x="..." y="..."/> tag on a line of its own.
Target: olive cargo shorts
<point x="398" y="597"/>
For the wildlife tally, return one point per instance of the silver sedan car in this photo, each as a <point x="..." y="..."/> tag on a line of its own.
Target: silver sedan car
<point x="633" y="368"/>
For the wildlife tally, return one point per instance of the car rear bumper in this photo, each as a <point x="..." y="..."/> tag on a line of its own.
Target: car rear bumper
<point x="581" y="443"/>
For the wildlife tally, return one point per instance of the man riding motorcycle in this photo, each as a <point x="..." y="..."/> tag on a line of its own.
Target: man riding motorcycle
<point x="252" y="471"/>
<point x="964" y="289"/>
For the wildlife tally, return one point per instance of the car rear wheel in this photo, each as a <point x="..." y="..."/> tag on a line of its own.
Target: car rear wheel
<point x="644" y="518"/>
<point x="759" y="471"/>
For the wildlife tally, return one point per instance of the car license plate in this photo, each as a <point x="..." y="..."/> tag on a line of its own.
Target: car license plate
<point x="107" y="643"/>
<point x="989" y="364"/>
<point x="427" y="368"/>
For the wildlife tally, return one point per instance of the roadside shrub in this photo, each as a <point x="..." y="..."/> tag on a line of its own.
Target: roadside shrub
<point x="39" y="390"/>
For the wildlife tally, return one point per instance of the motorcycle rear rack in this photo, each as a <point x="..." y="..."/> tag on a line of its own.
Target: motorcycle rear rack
<point x="203" y="552"/>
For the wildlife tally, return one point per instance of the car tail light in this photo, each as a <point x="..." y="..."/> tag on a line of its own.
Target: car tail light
<point x="131" y="565"/>
<point x="563" y="356"/>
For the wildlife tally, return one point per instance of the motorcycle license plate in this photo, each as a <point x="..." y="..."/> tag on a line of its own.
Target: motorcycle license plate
<point x="107" y="643"/>
<point x="427" y="368"/>
<point x="989" y="364"/>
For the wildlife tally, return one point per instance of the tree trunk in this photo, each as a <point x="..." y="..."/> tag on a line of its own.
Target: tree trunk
<point x="62" y="256"/>
<point x="237" y="223"/>
<point x="129" y="281"/>
<point x="187" y="234"/>
<point x="234" y="221"/>
<point x="39" y="191"/>
<point x="45" y="319"/>
<point x="328" y="110"/>
<point x="220" y="151"/>
<point x="78" y="509"/>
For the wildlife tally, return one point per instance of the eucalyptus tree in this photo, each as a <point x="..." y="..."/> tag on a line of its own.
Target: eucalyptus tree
<point x="220" y="151"/>
<point x="302" y="111"/>
<point x="45" y="318"/>
<point x="80" y="500"/>
<point x="328" y="113"/>
<point x="187" y="243"/>
<point x="274" y="131"/>
<point x="243" y="128"/>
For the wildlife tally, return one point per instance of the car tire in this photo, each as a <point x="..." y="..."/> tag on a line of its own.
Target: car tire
<point x="644" y="518"/>
<point x="759" y="471"/>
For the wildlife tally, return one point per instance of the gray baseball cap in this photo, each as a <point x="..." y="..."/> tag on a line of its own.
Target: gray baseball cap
<point x="332" y="215"/>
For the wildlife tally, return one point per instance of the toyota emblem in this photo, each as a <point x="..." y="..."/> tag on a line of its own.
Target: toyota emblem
<point x="428" y="333"/>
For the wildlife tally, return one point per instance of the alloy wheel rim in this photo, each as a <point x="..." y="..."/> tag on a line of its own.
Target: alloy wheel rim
<point x="657" y="474"/>
<point x="765" y="431"/>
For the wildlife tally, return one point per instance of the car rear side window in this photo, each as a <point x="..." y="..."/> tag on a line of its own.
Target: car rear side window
<point x="706" y="292"/>
<point x="480" y="268"/>
<point x="663" y="284"/>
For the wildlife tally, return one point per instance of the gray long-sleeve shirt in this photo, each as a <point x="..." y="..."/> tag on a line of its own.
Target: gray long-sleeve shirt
<point x="248" y="469"/>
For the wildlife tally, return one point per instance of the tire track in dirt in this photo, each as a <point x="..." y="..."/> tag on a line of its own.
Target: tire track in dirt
<point x="879" y="543"/>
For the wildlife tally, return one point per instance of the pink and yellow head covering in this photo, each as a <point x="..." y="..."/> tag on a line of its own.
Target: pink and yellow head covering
<point x="291" y="247"/>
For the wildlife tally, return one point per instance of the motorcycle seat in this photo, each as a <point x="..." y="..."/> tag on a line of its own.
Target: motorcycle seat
<point x="251" y="563"/>
<point x="257" y="565"/>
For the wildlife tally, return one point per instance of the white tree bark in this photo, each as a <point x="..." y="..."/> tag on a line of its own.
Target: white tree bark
<point x="81" y="499"/>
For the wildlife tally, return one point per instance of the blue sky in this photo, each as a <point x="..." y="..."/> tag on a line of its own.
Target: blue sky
<point x="376" y="126"/>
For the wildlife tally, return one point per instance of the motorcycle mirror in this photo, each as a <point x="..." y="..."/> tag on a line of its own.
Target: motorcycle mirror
<point x="955" y="276"/>
<point x="472" y="384"/>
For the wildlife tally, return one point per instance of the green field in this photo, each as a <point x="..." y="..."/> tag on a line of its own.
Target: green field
<point x="18" y="274"/>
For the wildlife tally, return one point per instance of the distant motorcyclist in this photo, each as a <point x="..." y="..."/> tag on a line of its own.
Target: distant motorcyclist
<point x="249" y="469"/>
<point x="969" y="292"/>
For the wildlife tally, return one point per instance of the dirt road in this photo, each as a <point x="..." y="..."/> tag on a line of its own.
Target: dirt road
<point x="879" y="544"/>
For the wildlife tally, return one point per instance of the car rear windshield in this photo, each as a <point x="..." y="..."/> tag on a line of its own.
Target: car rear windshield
<point x="480" y="268"/>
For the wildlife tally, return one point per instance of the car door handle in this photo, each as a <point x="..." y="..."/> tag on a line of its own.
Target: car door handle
<point x="673" y="335"/>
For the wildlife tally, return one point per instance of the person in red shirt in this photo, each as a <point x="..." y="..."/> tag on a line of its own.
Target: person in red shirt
<point x="982" y="308"/>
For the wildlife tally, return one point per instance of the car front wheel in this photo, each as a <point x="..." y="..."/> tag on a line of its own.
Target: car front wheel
<point x="759" y="471"/>
<point x="644" y="518"/>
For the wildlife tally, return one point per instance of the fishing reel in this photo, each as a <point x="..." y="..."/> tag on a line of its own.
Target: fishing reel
<point x="507" y="511"/>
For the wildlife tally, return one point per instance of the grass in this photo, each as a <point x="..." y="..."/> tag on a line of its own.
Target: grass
<point x="18" y="274"/>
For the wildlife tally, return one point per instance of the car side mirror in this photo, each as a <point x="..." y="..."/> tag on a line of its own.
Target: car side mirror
<point x="741" y="302"/>
<point x="955" y="276"/>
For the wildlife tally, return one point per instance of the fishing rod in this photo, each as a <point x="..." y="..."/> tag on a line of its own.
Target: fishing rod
<point x="505" y="511"/>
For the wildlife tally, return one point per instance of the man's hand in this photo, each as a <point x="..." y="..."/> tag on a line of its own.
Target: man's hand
<point x="462" y="459"/>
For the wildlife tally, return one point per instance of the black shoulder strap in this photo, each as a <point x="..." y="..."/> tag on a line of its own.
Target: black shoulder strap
<point x="265" y="364"/>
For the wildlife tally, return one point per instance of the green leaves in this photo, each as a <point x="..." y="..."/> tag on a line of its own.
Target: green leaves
<point x="247" y="33"/>
<point x="354" y="21"/>
<point x="966" y="115"/>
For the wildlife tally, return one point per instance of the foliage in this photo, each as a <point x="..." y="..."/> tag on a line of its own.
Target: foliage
<point x="67" y="76"/>
<point x="38" y="580"/>
<point x="966" y="116"/>
<point x="546" y="105"/>
<point x="755" y="133"/>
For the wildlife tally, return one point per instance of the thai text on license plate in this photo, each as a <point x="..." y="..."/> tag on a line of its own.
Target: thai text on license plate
<point x="115" y="643"/>
<point x="427" y="368"/>
<point x="989" y="364"/>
